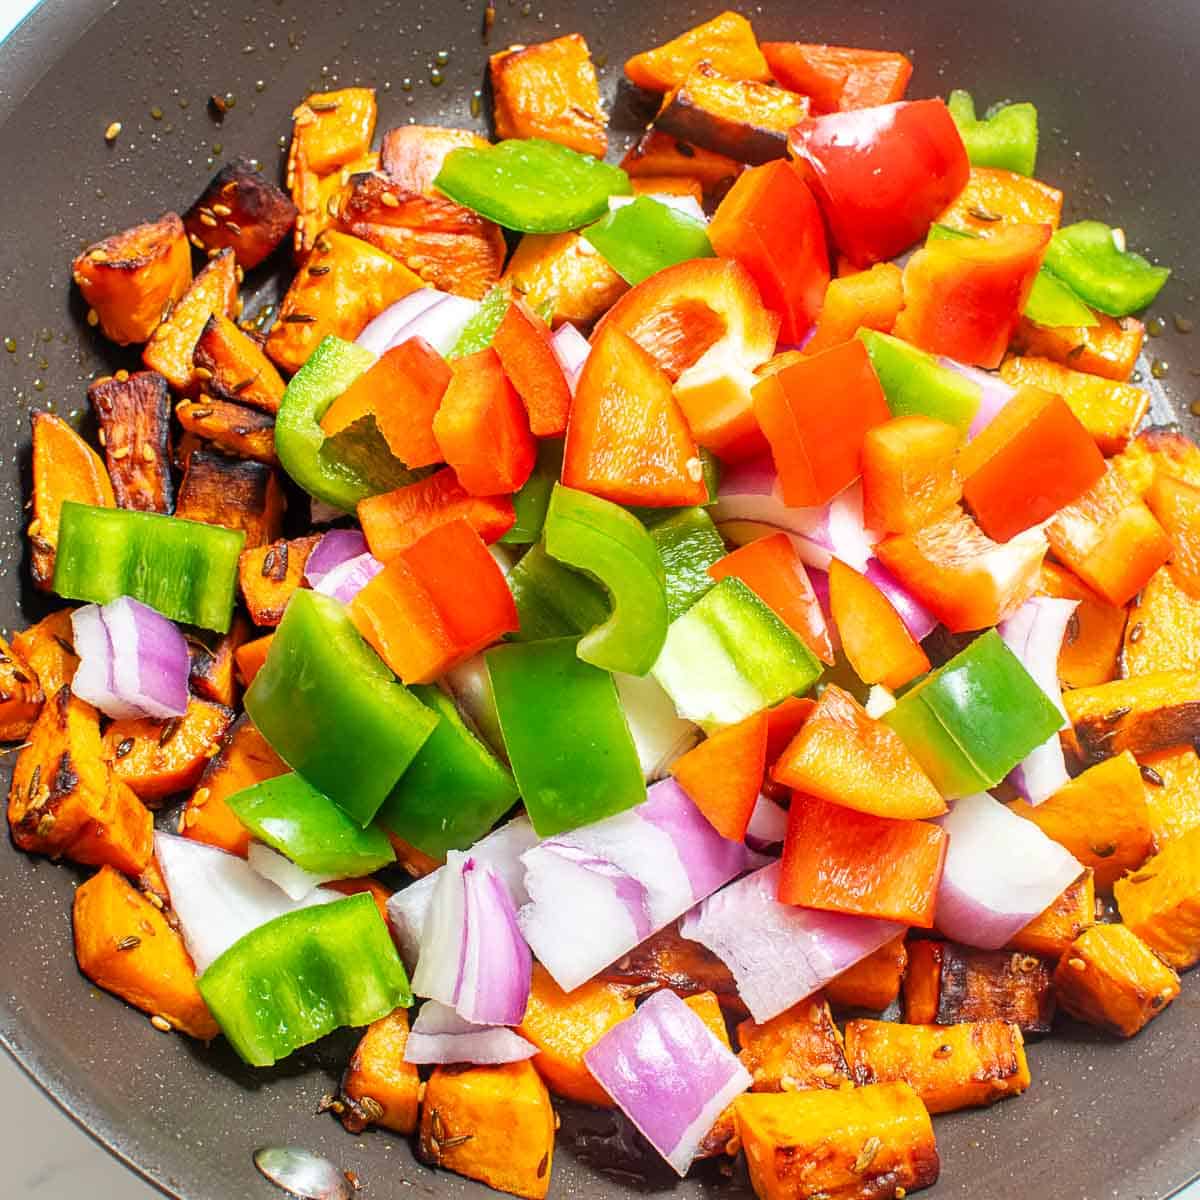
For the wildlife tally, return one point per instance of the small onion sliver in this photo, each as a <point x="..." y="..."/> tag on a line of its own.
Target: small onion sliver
<point x="93" y="679"/>
<point x="151" y="662"/>
<point x="440" y="325"/>
<point x="918" y="620"/>
<point x="768" y="825"/>
<point x="347" y="579"/>
<point x="294" y="881"/>
<point x="439" y="1036"/>
<point x="379" y="332"/>
<point x="994" y="393"/>
<point x="571" y="349"/>
<point x="660" y="734"/>
<point x="336" y="547"/>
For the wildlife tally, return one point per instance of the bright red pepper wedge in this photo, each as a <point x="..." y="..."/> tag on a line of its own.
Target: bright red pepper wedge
<point x="851" y="862"/>
<point x="723" y="775"/>
<point x="627" y="441"/>
<point x="522" y="341"/>
<point x="963" y="296"/>
<point x="1029" y="461"/>
<point x="882" y="175"/>
<point x="964" y="578"/>
<point x="482" y="428"/>
<point x="838" y="78"/>
<point x="770" y="223"/>
<point x="773" y="570"/>
<point x="875" y="640"/>
<point x="815" y="414"/>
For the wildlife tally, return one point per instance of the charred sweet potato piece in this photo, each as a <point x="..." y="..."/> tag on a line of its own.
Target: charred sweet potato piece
<point x="1111" y="978"/>
<point x="65" y="467"/>
<point x="1159" y="450"/>
<point x="727" y="42"/>
<point x="65" y="800"/>
<point x="1172" y="792"/>
<point x="800" y="1048"/>
<point x="158" y="758"/>
<point x="49" y="649"/>
<point x="874" y="982"/>
<point x="550" y="91"/>
<point x="240" y="210"/>
<point x="562" y="273"/>
<point x="21" y="695"/>
<point x="494" y="1124"/>
<point x="1051" y="933"/>
<point x="230" y="364"/>
<point x="1101" y="817"/>
<point x="240" y="431"/>
<point x="1160" y="901"/>
<point x="966" y="1065"/>
<point x="342" y="285"/>
<point x="268" y="575"/>
<point x="244" y="759"/>
<point x="134" y="414"/>
<point x="249" y="658"/>
<point x="124" y="944"/>
<point x="947" y="983"/>
<point x="379" y="1087"/>
<point x="1163" y="629"/>
<point x="1092" y="644"/>
<point x="1151" y="712"/>
<point x="130" y="280"/>
<point x="1109" y="348"/>
<point x="747" y="121"/>
<point x="657" y="155"/>
<point x="236" y="493"/>
<point x="565" y="1026"/>
<point x="413" y="154"/>
<point x="212" y="672"/>
<point x="863" y="1143"/>
<point x="318" y="198"/>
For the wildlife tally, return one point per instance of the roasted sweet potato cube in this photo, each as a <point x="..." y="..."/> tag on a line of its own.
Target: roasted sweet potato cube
<point x="863" y="1143"/>
<point x="966" y="1065"/>
<point x="1110" y="348"/>
<point x="1161" y="901"/>
<point x="49" y="649"/>
<point x="658" y="155"/>
<point x="318" y="197"/>
<point x="747" y="121"/>
<point x="800" y="1048"/>
<point x="413" y="154"/>
<point x="1177" y="506"/>
<point x="236" y="493"/>
<point x="159" y="758"/>
<point x="240" y="210"/>
<point x="992" y="195"/>
<point x="947" y="983"/>
<point x="230" y="364"/>
<point x="727" y="42"/>
<point x="65" y="467"/>
<point x="134" y="414"/>
<point x="379" y="1087"/>
<point x="240" y="431"/>
<point x="130" y="280"/>
<point x="244" y="759"/>
<point x="1092" y="644"/>
<point x="669" y="185"/>
<point x="1159" y="450"/>
<point x="249" y="658"/>
<point x="330" y="129"/>
<point x="1051" y="933"/>
<point x="550" y="91"/>
<point x="494" y="1124"/>
<point x="213" y="654"/>
<point x="1172" y="791"/>
<point x="562" y="273"/>
<point x="268" y="575"/>
<point x="65" y="800"/>
<point x="21" y="695"/>
<point x="1151" y="712"/>
<point x="124" y="944"/>
<point x="873" y="982"/>
<point x="1111" y="978"/>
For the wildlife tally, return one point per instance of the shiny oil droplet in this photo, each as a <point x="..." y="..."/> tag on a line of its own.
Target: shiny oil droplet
<point x="1156" y="327"/>
<point x="303" y="1173"/>
<point x="1160" y="369"/>
<point x="1183" y="324"/>
<point x="10" y="345"/>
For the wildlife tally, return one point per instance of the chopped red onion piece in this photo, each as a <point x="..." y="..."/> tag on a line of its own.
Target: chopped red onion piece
<point x="659" y="733"/>
<point x="598" y="891"/>
<point x="918" y="620"/>
<point x="93" y="680"/>
<point x="571" y="349"/>
<point x="470" y="686"/>
<point x="440" y="325"/>
<point x="347" y="579"/>
<point x="768" y="825"/>
<point x="1001" y="871"/>
<point x="669" y="1074"/>
<point x="336" y="547"/>
<point x="780" y="953"/>
<point x="880" y="701"/>
<point x="295" y="881"/>
<point x="379" y="332"/>
<point x="440" y="1036"/>
<point x="994" y="393"/>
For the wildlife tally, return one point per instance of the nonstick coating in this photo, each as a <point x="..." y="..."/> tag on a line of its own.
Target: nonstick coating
<point x="1115" y="84"/>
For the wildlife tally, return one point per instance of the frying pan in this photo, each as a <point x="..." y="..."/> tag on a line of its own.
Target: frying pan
<point x="1115" y="86"/>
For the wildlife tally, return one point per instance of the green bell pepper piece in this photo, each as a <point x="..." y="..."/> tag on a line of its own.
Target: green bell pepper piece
<point x="186" y="570"/>
<point x="972" y="720"/>
<point x="1086" y="256"/>
<point x="478" y="332"/>
<point x="533" y="499"/>
<point x="915" y="382"/>
<point x="363" y="450"/>
<point x="294" y="818"/>
<point x="612" y="546"/>
<point x="552" y="600"/>
<point x="729" y="656"/>
<point x="640" y="239"/>
<point x="531" y="185"/>
<point x="688" y="543"/>
<point x="1006" y="136"/>
<point x="303" y="975"/>
<point x="566" y="735"/>
<point x="454" y="791"/>
<point x="332" y="710"/>
<point x="331" y="368"/>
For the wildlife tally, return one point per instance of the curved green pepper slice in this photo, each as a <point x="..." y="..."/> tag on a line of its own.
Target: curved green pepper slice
<point x="1092" y="260"/>
<point x="640" y="239"/>
<point x="1006" y="137"/>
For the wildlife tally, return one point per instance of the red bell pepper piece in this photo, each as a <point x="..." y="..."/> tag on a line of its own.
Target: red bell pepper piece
<point x="851" y="862"/>
<point x="910" y="472"/>
<point x="394" y="520"/>
<point x="772" y="568"/>
<point x="1029" y="461"/>
<point x="963" y="296"/>
<point x="838" y="77"/>
<point x="881" y="175"/>
<point x="482" y="429"/>
<point x="876" y="641"/>
<point x="784" y="721"/>
<point x="523" y="343"/>
<point x="723" y="775"/>
<point x="770" y="223"/>
<point x="815" y="414"/>
<point x="627" y="441"/>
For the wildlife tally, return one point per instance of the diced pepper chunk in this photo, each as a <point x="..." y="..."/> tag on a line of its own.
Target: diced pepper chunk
<point x="914" y="382"/>
<point x="1145" y="714"/>
<point x="910" y="473"/>
<point x="801" y="1048"/>
<point x="869" y="299"/>
<point x="522" y="342"/>
<point x="727" y="42"/>
<point x="873" y="982"/>
<point x="379" y="1087"/>
<point x="1007" y="137"/>
<point x="1159" y="450"/>
<point x="1160" y="902"/>
<point x="723" y="775"/>
<point x="839" y="78"/>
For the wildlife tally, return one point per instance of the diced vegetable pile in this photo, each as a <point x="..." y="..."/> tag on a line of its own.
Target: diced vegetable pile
<point x="726" y="626"/>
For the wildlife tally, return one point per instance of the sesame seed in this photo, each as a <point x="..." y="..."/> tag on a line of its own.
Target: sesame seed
<point x="119" y="453"/>
<point x="222" y="210"/>
<point x="161" y="1024"/>
<point x="206" y="219"/>
<point x="112" y="132"/>
<point x="1076" y="964"/>
<point x="389" y="201"/>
